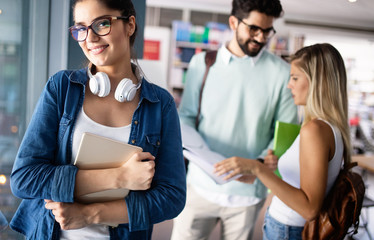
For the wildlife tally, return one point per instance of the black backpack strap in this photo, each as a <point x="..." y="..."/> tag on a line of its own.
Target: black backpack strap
<point x="210" y="59"/>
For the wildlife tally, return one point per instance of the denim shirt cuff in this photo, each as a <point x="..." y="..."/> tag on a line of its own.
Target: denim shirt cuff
<point x="64" y="182"/>
<point x="138" y="214"/>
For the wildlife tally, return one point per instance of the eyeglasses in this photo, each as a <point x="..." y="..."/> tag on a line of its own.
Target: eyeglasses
<point x="255" y="30"/>
<point x="100" y="27"/>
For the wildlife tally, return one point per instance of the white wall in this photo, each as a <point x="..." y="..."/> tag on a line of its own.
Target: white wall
<point x="157" y="71"/>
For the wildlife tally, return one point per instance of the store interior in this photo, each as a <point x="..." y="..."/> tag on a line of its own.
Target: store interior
<point x="347" y="25"/>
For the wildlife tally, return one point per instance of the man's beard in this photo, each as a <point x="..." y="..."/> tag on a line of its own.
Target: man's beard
<point x="244" y="47"/>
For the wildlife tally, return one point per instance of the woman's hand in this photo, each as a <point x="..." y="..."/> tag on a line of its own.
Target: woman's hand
<point x="270" y="160"/>
<point x="69" y="215"/>
<point x="236" y="165"/>
<point x="137" y="173"/>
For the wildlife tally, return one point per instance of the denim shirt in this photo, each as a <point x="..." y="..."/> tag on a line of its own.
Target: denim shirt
<point x="42" y="169"/>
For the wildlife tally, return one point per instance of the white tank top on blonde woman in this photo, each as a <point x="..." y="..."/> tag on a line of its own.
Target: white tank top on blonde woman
<point x="289" y="168"/>
<point x="85" y="124"/>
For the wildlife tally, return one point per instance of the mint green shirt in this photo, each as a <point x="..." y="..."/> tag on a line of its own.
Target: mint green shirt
<point x="242" y="100"/>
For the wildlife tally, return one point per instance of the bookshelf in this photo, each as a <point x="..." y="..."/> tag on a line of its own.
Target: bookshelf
<point x="186" y="41"/>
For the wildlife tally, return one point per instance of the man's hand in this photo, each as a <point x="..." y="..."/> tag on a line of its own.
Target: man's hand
<point x="247" y="179"/>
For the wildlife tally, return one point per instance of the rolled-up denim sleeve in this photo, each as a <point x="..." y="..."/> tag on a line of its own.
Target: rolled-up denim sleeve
<point x="36" y="173"/>
<point x="167" y="196"/>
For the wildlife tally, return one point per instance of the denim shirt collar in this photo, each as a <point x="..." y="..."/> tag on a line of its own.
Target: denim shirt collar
<point x="147" y="89"/>
<point x="148" y="92"/>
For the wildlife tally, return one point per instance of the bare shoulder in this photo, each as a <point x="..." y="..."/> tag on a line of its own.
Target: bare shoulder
<point x="317" y="130"/>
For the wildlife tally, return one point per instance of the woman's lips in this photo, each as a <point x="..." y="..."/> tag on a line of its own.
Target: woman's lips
<point x="97" y="50"/>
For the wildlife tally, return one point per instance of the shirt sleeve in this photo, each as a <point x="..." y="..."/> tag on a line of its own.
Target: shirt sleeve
<point x="36" y="173"/>
<point x="190" y="99"/>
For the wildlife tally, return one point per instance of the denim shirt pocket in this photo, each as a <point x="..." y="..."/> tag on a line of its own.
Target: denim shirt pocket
<point x="153" y="143"/>
<point x="64" y="123"/>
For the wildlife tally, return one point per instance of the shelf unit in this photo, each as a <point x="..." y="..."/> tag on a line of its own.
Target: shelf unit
<point x="195" y="47"/>
<point x="181" y="54"/>
<point x="186" y="41"/>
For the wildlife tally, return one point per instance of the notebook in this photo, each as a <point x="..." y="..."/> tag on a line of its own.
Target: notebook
<point x="285" y="134"/>
<point x="97" y="152"/>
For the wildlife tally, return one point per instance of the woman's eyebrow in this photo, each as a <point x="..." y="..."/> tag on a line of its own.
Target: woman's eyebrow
<point x="103" y="16"/>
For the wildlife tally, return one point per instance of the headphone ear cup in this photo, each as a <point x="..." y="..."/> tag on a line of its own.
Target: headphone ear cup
<point x="94" y="85"/>
<point x="125" y="90"/>
<point x="131" y="93"/>
<point x="100" y="84"/>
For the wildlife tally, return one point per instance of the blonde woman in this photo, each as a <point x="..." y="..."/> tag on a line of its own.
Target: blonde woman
<point x="310" y="166"/>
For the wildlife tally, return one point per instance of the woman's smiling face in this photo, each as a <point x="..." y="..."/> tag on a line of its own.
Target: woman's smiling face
<point x="112" y="49"/>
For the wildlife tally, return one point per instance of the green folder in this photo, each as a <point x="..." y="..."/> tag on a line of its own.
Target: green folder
<point x="285" y="134"/>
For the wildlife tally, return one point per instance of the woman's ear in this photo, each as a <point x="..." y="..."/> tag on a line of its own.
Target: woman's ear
<point x="131" y="26"/>
<point x="233" y="22"/>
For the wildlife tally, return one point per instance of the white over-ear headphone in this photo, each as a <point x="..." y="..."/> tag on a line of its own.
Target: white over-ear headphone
<point x="100" y="86"/>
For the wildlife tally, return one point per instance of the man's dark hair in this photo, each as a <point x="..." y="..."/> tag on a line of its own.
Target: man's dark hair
<point x="242" y="8"/>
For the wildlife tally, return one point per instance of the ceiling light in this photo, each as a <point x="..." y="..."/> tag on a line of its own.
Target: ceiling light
<point x="352" y="1"/>
<point x="1" y="11"/>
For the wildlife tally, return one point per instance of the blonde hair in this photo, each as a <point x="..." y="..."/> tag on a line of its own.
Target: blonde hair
<point x="327" y="97"/>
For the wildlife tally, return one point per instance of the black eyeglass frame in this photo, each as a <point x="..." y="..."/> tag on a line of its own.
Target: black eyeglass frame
<point x="267" y="33"/>
<point x="110" y="18"/>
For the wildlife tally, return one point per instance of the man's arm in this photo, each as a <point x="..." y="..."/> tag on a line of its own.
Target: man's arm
<point x="190" y="99"/>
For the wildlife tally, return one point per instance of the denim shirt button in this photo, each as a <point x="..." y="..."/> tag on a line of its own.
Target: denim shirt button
<point x="133" y="141"/>
<point x="136" y="122"/>
<point x="158" y="143"/>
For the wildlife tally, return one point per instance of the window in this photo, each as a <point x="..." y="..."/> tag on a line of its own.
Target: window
<point x="12" y="100"/>
<point x="24" y="28"/>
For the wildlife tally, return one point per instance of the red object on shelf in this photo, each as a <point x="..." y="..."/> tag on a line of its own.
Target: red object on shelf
<point x="151" y="50"/>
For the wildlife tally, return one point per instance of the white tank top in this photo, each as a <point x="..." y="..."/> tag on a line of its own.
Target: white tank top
<point x="289" y="168"/>
<point x="85" y="124"/>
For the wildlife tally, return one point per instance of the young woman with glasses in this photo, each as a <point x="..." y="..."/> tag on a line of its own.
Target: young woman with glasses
<point x="310" y="166"/>
<point x="111" y="99"/>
